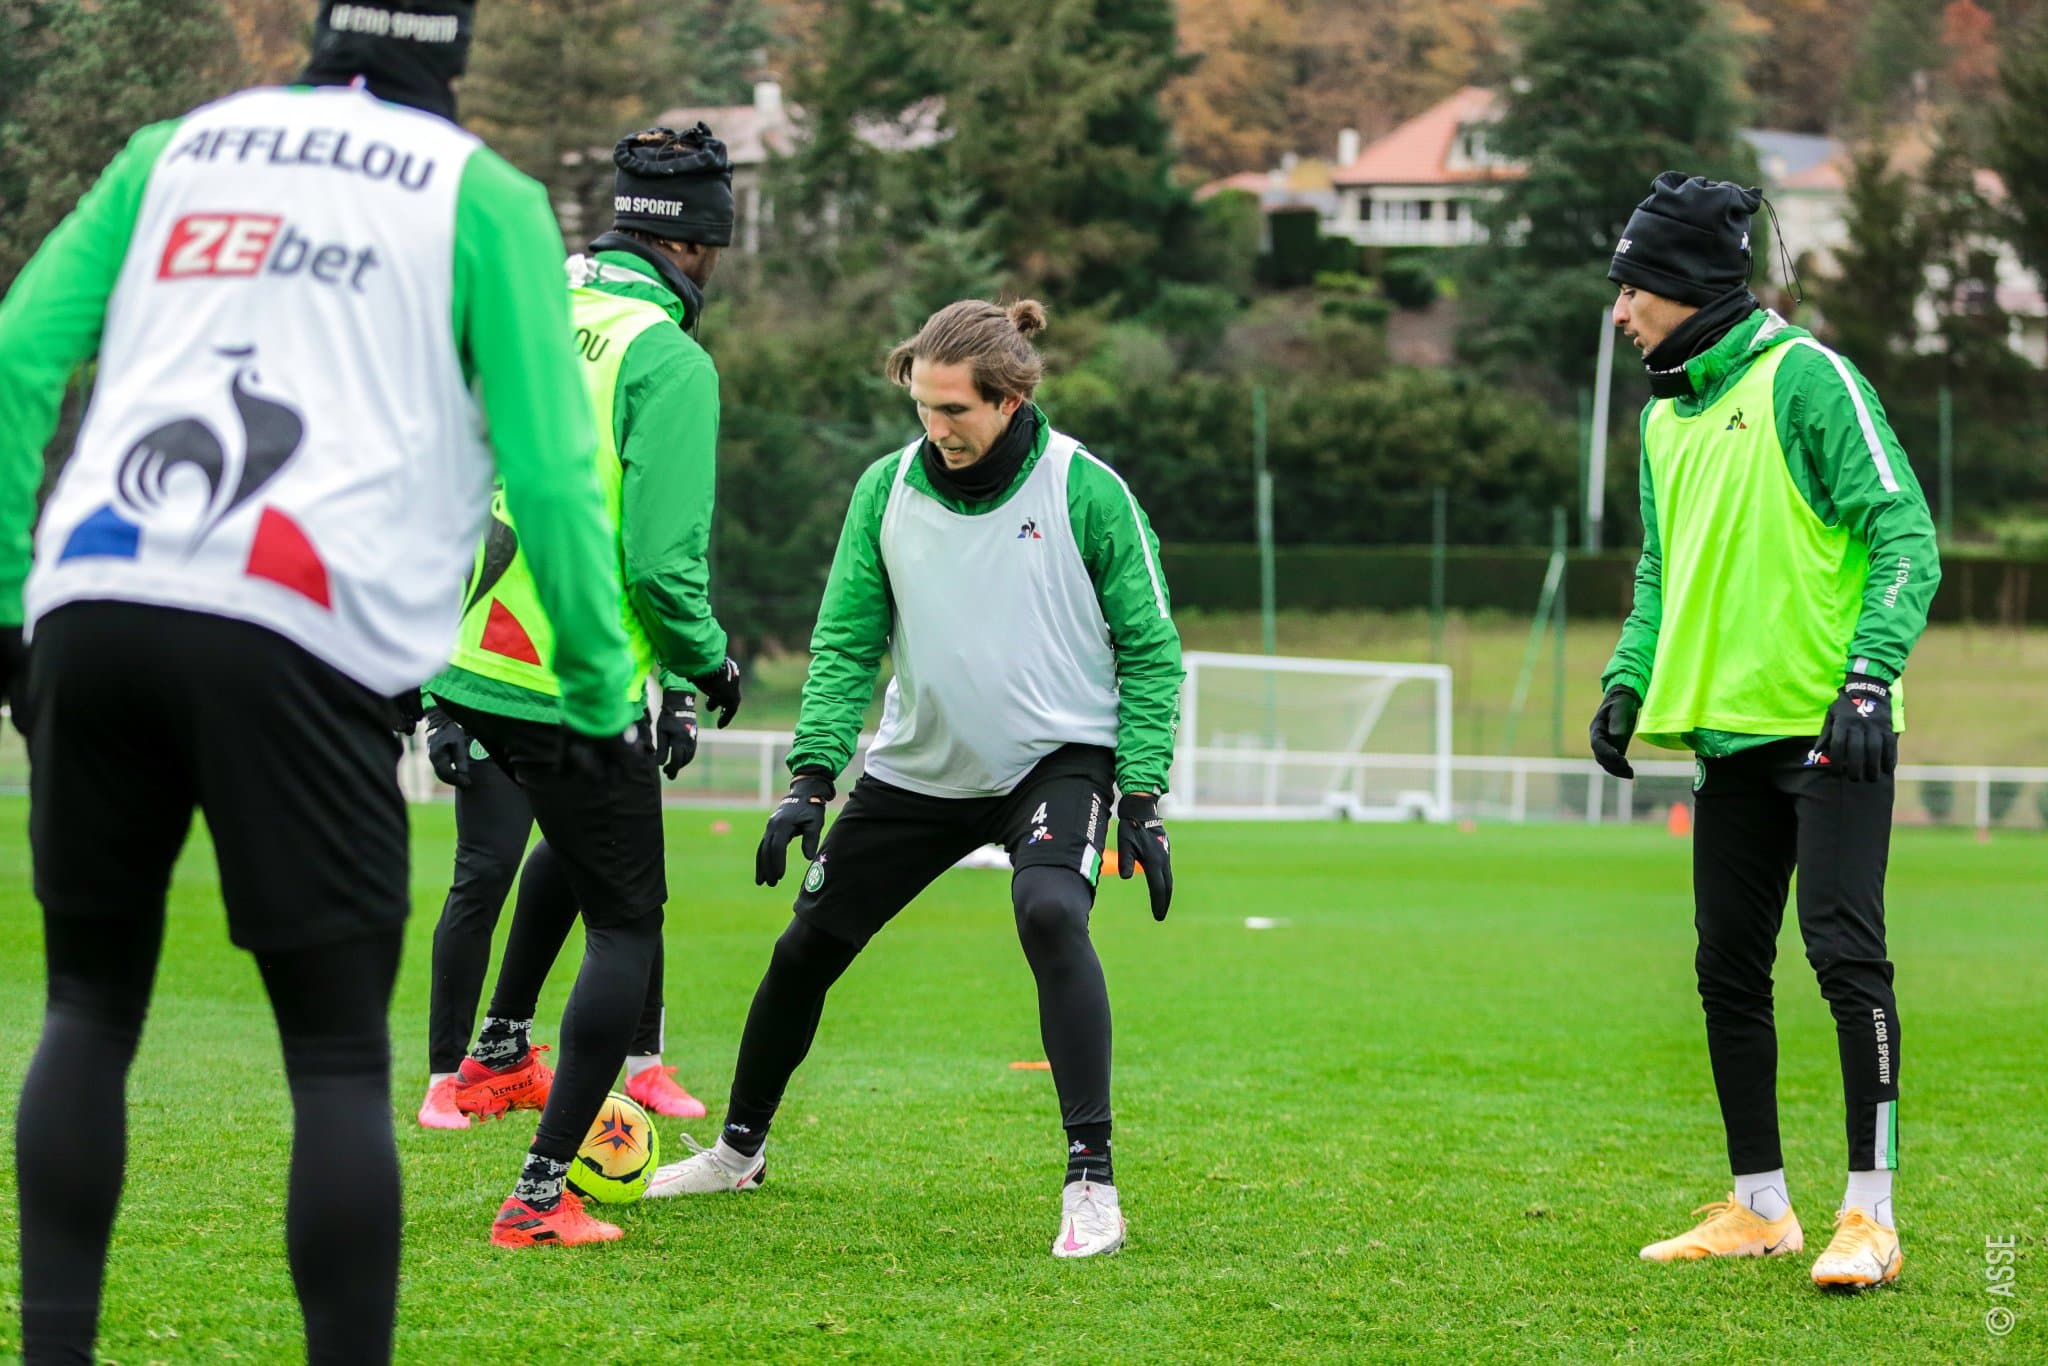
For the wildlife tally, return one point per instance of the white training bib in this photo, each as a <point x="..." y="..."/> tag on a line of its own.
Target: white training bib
<point x="1000" y="648"/>
<point x="281" y="431"/>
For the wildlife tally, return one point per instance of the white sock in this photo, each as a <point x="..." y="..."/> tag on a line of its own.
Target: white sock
<point x="731" y="1158"/>
<point x="640" y="1062"/>
<point x="1764" y="1193"/>
<point x="1871" y="1192"/>
<point x="436" y="1078"/>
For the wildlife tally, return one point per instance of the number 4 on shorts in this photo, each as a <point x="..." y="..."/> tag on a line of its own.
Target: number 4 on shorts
<point x="1038" y="816"/>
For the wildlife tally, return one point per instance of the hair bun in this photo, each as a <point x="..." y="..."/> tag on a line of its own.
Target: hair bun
<point x="1028" y="315"/>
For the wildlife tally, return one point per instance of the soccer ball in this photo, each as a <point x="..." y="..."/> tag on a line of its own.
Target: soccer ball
<point x="619" y="1155"/>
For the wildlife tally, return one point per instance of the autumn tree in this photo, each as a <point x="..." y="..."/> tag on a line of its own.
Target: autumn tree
<point x="1608" y="93"/>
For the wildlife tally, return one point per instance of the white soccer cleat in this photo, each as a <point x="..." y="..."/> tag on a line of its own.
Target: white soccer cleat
<point x="708" y="1170"/>
<point x="1091" y="1222"/>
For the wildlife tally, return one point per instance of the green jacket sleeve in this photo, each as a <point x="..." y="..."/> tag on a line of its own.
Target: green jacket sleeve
<point x="668" y="405"/>
<point x="854" y="622"/>
<point x="50" y="324"/>
<point x="1855" y="473"/>
<point x="512" y="319"/>
<point x="1637" y="649"/>
<point x="1122" y="556"/>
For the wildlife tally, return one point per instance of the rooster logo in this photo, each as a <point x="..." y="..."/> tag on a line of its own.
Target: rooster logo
<point x="181" y="481"/>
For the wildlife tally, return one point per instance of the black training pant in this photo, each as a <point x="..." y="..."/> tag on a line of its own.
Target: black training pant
<point x="888" y="845"/>
<point x="492" y="821"/>
<point x="606" y="831"/>
<point x="295" y="767"/>
<point x="1761" y="813"/>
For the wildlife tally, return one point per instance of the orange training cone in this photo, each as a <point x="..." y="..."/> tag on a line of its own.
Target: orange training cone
<point x="1679" y="820"/>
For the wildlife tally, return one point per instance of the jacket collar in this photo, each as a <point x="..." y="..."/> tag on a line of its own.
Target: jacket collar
<point x="1713" y="369"/>
<point x="664" y="282"/>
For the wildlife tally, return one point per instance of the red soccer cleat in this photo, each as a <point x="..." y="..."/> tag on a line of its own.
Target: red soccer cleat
<point x="487" y="1094"/>
<point x="566" y="1225"/>
<point x="656" y="1089"/>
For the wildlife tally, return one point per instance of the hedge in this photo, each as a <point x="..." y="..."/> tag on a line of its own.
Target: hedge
<point x="1396" y="578"/>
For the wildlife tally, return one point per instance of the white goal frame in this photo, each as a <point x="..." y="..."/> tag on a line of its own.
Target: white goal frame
<point x="1340" y="799"/>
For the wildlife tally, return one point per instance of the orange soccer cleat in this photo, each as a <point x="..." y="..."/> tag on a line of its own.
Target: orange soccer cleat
<point x="566" y="1225"/>
<point x="486" y="1093"/>
<point x="1731" y="1229"/>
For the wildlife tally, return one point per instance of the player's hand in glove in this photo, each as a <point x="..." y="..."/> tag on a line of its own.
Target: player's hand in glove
<point x="1614" y="725"/>
<point x="1141" y="841"/>
<point x="675" y="730"/>
<point x="1857" y="736"/>
<point x="447" y="748"/>
<point x="721" y="689"/>
<point x="802" y="812"/>
<point x="409" y="708"/>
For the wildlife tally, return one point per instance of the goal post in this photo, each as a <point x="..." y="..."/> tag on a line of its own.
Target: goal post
<point x="1278" y="738"/>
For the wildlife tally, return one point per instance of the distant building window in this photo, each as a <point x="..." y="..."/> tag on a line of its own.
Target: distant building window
<point x="1364" y="209"/>
<point x="1428" y="207"/>
<point x="1451" y="207"/>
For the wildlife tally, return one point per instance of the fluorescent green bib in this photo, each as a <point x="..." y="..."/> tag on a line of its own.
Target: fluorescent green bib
<point x="1761" y="597"/>
<point x="505" y="635"/>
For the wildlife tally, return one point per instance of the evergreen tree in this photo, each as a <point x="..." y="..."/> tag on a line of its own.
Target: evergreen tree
<point x="1607" y="94"/>
<point x="1050" y="113"/>
<point x="2019" y="143"/>
<point x="553" y="85"/>
<point x="1880" y="272"/>
<point x="721" y="48"/>
<point x="76" y="80"/>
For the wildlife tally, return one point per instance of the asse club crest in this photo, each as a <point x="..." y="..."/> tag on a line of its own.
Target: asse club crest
<point x="815" y="879"/>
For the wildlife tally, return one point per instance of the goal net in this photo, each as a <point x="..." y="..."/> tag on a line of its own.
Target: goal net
<point x="1272" y="737"/>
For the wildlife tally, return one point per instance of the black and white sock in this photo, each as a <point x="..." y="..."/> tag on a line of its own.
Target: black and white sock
<point x="1088" y="1155"/>
<point x="502" y="1043"/>
<point x="540" y="1182"/>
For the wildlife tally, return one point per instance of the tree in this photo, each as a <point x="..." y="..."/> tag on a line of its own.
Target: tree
<point x="274" y="36"/>
<point x="1881" y="270"/>
<point x="1800" y="55"/>
<point x="553" y="84"/>
<point x="1608" y="93"/>
<point x="2019" y="138"/>
<point x="721" y="47"/>
<point x="1049" y="114"/>
<point x="92" y="75"/>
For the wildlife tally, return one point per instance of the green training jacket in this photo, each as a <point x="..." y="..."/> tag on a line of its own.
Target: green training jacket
<point x="1797" y="580"/>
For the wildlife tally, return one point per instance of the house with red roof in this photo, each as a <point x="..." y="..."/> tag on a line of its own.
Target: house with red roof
<point x="1421" y="184"/>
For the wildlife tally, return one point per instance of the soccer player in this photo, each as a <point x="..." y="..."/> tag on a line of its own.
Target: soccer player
<point x="1788" y="560"/>
<point x="1015" y="582"/>
<point x="654" y="464"/>
<point x="253" y="548"/>
<point x="636" y="299"/>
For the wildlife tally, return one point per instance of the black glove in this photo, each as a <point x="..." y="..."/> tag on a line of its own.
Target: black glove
<point x="1614" y="725"/>
<point x="721" y="689"/>
<point x="801" y="812"/>
<point x="409" y="708"/>
<point x="447" y="748"/>
<point x="608" y="758"/>
<point x="1141" y="840"/>
<point x="675" y="730"/>
<point x="13" y="673"/>
<point x="1857" y="738"/>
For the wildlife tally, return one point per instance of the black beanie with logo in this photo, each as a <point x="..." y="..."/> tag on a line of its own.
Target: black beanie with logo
<point x="675" y="186"/>
<point x="405" y="51"/>
<point x="1689" y="240"/>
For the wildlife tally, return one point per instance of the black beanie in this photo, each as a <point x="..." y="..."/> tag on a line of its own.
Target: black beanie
<point x="1689" y="241"/>
<point x="406" y="51"/>
<point x="676" y="186"/>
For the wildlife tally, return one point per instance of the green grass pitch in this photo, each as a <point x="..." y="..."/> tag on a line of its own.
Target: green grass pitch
<point x="1430" y="1117"/>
